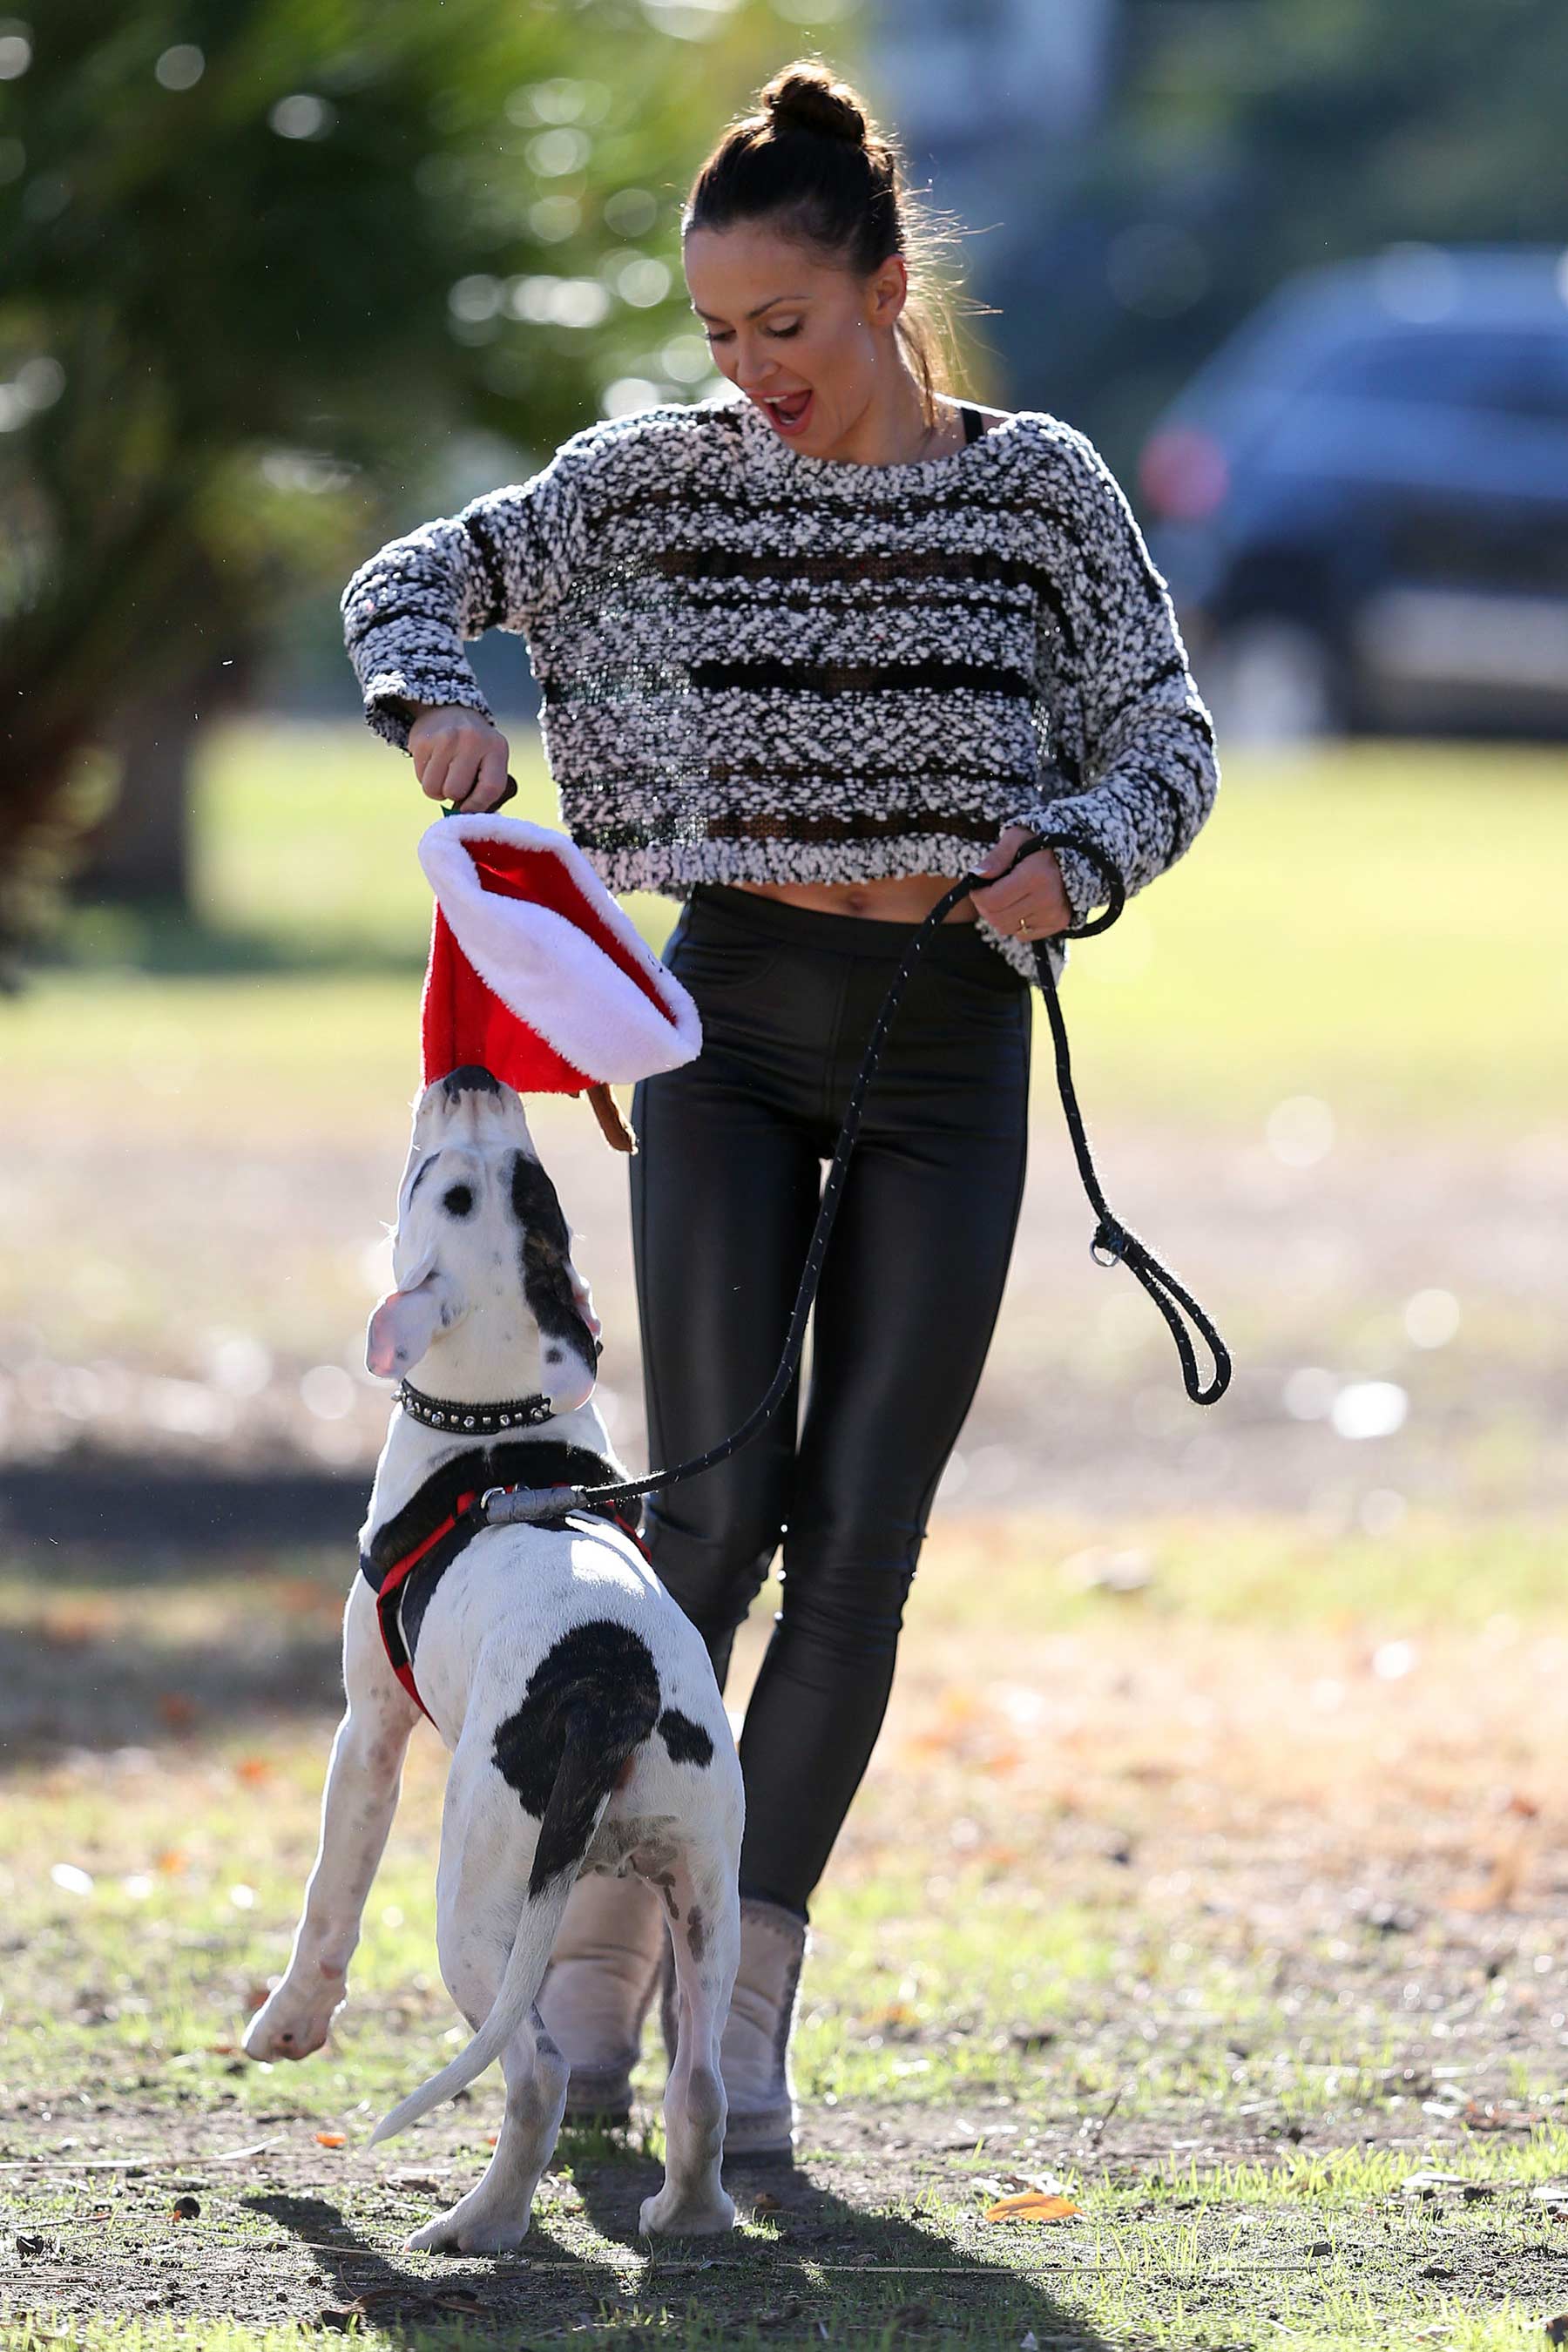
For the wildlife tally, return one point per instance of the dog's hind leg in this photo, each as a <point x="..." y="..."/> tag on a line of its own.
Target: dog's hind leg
<point x="705" y="1930"/>
<point x="494" y="2216"/>
<point x="479" y="1886"/>
<point x="360" y="1798"/>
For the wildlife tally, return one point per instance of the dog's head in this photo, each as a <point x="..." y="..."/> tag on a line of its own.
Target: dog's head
<point x="482" y="1257"/>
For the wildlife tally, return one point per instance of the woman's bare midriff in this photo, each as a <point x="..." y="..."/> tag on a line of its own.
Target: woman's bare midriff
<point x="894" y="898"/>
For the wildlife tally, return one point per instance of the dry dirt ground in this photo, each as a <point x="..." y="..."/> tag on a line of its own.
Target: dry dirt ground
<point x="219" y="1325"/>
<point x="1212" y="1861"/>
<point x="1131" y="1899"/>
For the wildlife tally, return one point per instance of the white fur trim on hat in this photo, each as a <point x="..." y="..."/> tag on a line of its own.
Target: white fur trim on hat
<point x="552" y="975"/>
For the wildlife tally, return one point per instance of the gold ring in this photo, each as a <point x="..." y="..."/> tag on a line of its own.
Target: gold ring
<point x="1023" y="924"/>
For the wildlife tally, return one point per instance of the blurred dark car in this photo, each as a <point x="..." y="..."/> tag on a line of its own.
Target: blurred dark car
<point x="1361" y="501"/>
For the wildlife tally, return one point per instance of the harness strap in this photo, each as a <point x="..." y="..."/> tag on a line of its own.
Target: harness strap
<point x="472" y="1505"/>
<point x="392" y="1584"/>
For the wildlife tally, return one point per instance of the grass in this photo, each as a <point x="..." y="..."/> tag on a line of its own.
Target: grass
<point x="1119" y="1940"/>
<point x="1210" y="1868"/>
<point x="1374" y="926"/>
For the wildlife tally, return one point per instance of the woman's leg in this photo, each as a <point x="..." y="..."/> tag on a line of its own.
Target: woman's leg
<point x="723" y="1192"/>
<point x="909" y="1299"/>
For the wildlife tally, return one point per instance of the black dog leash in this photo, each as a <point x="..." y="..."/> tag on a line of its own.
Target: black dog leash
<point x="1114" y="1241"/>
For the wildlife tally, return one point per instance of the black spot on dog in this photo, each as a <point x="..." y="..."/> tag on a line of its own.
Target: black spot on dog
<point x="593" y="1698"/>
<point x="458" y="1201"/>
<point x="697" y="1932"/>
<point x="666" y="1886"/>
<point x="687" y="1741"/>
<point x="546" y="1247"/>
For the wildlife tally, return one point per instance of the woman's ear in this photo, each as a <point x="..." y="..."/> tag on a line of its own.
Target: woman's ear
<point x="407" y="1321"/>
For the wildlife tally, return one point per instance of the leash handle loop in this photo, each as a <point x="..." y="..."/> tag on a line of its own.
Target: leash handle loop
<point x="1115" y="1243"/>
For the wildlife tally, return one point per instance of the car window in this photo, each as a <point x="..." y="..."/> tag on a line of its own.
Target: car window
<point x="1504" y="370"/>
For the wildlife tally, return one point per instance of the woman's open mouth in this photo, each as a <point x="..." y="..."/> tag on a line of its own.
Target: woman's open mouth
<point x="789" y="412"/>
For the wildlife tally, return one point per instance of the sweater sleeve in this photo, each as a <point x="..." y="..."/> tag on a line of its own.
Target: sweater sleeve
<point x="1149" y="775"/>
<point x="409" y="609"/>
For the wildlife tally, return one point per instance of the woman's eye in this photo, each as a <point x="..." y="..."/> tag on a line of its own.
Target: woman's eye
<point x="785" y="332"/>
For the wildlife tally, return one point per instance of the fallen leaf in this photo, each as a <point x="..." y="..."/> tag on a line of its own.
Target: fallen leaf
<point x="1032" y="2206"/>
<point x="170" y="1861"/>
<point x="185" y="2208"/>
<point x="253" y="1769"/>
<point x="332" y="2139"/>
<point x="457" y="2298"/>
<point x="1503" y="1882"/>
<point x="766" y="2204"/>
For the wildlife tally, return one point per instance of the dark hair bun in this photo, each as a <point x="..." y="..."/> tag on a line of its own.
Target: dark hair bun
<point x="806" y="98"/>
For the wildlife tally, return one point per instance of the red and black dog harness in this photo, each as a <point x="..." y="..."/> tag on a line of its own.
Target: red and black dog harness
<point x="409" y="1556"/>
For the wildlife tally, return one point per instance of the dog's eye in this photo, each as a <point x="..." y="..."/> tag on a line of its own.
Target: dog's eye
<point x="457" y="1201"/>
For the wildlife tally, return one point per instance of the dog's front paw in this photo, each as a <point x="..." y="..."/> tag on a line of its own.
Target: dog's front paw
<point x="670" y="2215"/>
<point x="292" y="2023"/>
<point x="477" y="2224"/>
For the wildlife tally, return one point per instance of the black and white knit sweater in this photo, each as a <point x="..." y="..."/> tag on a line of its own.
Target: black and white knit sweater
<point x="761" y="666"/>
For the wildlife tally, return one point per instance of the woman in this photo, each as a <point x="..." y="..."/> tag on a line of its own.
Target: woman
<point x="804" y="655"/>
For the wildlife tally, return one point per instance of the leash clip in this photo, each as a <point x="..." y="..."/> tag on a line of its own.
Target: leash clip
<point x="1111" y="1240"/>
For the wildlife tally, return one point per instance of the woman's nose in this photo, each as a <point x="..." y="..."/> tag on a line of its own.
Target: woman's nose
<point x="752" y="369"/>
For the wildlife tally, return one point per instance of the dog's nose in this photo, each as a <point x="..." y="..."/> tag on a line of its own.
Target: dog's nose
<point x="471" y="1079"/>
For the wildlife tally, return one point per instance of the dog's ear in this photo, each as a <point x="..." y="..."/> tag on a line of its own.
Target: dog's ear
<point x="555" y="1292"/>
<point x="407" y="1321"/>
<point x="585" y="1298"/>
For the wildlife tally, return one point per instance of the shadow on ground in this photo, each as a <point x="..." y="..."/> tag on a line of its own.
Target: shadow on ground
<point x="877" y="2274"/>
<point x="125" y="1644"/>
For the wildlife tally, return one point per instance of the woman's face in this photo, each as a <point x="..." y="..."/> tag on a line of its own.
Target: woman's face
<point x="810" y="343"/>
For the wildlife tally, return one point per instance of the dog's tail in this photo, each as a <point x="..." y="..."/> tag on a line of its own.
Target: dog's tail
<point x="590" y="1764"/>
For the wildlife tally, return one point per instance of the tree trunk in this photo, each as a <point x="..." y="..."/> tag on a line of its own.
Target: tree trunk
<point x="141" y="852"/>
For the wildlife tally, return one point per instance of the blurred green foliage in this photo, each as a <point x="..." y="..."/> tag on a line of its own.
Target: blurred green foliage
<point x="265" y="259"/>
<point x="1248" y="139"/>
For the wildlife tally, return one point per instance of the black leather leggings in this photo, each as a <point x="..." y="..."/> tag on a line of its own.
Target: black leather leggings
<point x="724" y="1190"/>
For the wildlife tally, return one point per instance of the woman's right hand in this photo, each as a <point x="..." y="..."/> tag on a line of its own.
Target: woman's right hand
<point x="458" y="756"/>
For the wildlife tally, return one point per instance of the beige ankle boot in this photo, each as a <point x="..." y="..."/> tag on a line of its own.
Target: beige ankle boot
<point x="753" y="2050"/>
<point x="597" y="1987"/>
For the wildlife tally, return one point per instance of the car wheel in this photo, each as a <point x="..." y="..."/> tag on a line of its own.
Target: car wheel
<point x="1271" y="679"/>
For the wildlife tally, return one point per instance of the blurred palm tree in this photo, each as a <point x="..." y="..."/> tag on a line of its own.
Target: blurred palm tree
<point x="264" y="258"/>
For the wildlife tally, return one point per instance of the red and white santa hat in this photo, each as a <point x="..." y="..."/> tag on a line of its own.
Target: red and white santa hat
<point x="535" y="973"/>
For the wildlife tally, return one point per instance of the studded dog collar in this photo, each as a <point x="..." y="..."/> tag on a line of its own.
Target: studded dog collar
<point x="475" y="1420"/>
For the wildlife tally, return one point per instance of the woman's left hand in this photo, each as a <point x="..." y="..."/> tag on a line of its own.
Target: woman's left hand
<point x="1031" y="902"/>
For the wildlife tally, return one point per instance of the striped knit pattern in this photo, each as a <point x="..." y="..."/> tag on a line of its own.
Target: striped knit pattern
<point x="760" y="666"/>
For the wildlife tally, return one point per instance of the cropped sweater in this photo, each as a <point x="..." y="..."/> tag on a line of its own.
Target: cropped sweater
<point x="761" y="666"/>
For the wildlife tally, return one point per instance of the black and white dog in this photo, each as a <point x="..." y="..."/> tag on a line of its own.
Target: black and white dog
<point x="578" y="1702"/>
